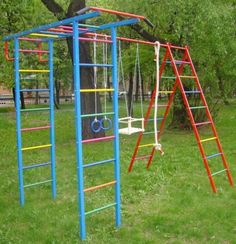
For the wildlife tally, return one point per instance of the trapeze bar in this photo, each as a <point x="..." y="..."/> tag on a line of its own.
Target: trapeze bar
<point x="36" y="147"/>
<point x="97" y="90"/>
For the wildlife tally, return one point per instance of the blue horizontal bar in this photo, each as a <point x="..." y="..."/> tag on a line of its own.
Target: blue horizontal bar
<point x="213" y="155"/>
<point x="52" y="25"/>
<point x="178" y="62"/>
<point x="37" y="165"/>
<point x="193" y="92"/>
<point x="99" y="163"/>
<point x="95" y="65"/>
<point x="34" y="90"/>
<point x="157" y="119"/>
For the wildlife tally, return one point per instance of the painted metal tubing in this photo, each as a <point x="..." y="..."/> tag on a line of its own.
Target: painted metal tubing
<point x="203" y="123"/>
<point x="36" y="147"/>
<point x="37" y="183"/>
<point x="115" y="101"/>
<point x="96" y="115"/>
<point x="187" y="77"/>
<point x="37" y="165"/>
<point x="52" y="123"/>
<point x="30" y="39"/>
<point x="52" y="25"/>
<point x="143" y="157"/>
<point x="18" y="122"/>
<point x="208" y="139"/>
<point x="44" y="35"/>
<point x="78" y="126"/>
<point x="178" y="62"/>
<point x="98" y="163"/>
<point x="192" y="92"/>
<point x="198" y="107"/>
<point x="32" y="51"/>
<point x="99" y="209"/>
<point x="34" y="90"/>
<point x="213" y="155"/>
<point x="97" y="90"/>
<point x="34" y="109"/>
<point x="219" y="172"/>
<point x="157" y="119"/>
<point x="34" y="71"/>
<point x="46" y="127"/>
<point x="96" y="65"/>
<point x="93" y="188"/>
<point x="106" y="138"/>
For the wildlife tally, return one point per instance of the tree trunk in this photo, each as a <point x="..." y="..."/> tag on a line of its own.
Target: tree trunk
<point x="22" y="100"/>
<point x="86" y="74"/>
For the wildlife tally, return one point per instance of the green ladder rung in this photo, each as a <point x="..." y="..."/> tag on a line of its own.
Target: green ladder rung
<point x="34" y="109"/>
<point x="168" y="77"/>
<point x="219" y="172"/>
<point x="100" y="209"/>
<point x="37" y="183"/>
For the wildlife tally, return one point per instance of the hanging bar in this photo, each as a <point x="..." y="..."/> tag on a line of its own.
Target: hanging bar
<point x="106" y="138"/>
<point x="99" y="209"/>
<point x="36" y="147"/>
<point x="99" y="186"/>
<point x="98" y="163"/>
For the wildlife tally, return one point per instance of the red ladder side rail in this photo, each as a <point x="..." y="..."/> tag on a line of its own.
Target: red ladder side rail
<point x="193" y="122"/>
<point x="211" y="120"/>
<point x="147" y="115"/>
<point x="168" y="107"/>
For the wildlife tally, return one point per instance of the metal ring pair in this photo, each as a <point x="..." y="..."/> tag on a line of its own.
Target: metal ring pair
<point x="98" y="125"/>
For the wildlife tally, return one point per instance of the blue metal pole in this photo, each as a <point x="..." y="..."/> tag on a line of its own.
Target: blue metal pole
<point x="78" y="126"/>
<point x="18" y="121"/>
<point x="52" y="128"/>
<point x="116" y="125"/>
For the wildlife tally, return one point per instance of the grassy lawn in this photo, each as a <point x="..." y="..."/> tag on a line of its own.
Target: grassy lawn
<point x="172" y="202"/>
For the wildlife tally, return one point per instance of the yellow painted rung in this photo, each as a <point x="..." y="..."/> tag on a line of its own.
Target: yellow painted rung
<point x="209" y="139"/>
<point x="43" y="35"/>
<point x="166" y="92"/>
<point x="36" y="147"/>
<point x="34" y="70"/>
<point x="147" y="145"/>
<point x="97" y="90"/>
<point x="187" y="76"/>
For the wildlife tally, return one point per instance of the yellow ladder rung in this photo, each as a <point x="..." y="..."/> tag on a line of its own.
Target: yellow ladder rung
<point x="97" y="90"/>
<point x="187" y="76"/>
<point x="34" y="70"/>
<point x="43" y="35"/>
<point x="36" y="147"/>
<point x="166" y="92"/>
<point x="209" y="139"/>
<point x="147" y="145"/>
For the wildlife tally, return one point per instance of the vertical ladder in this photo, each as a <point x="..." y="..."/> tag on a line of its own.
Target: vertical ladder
<point x="186" y="60"/>
<point x="51" y="146"/>
<point x="80" y="142"/>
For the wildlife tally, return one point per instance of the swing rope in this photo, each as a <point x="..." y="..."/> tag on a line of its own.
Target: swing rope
<point x="157" y="54"/>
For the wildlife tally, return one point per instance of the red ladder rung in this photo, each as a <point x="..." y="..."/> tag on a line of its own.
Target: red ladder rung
<point x="143" y="157"/>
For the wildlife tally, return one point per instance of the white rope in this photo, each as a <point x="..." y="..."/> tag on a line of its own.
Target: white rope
<point x="157" y="54"/>
<point x="122" y="77"/>
<point x="95" y="72"/>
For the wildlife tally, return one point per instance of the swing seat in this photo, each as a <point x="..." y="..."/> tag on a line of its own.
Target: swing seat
<point x="131" y="130"/>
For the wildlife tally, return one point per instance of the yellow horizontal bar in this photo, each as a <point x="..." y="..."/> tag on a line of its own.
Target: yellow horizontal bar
<point x="166" y="92"/>
<point x="209" y="139"/>
<point x="97" y="90"/>
<point x="34" y="70"/>
<point x="36" y="147"/>
<point x="187" y="76"/>
<point x="147" y="145"/>
<point x="43" y="35"/>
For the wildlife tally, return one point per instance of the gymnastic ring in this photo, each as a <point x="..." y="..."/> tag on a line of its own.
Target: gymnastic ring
<point x="96" y="125"/>
<point x="109" y="123"/>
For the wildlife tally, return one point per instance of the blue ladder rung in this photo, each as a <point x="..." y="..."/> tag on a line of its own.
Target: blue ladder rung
<point x="37" y="165"/>
<point x="34" y="90"/>
<point x="192" y="92"/>
<point x="213" y="155"/>
<point x="95" y="65"/>
<point x="98" y="163"/>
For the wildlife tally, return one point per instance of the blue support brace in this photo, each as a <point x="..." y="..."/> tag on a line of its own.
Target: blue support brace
<point x="18" y="121"/>
<point x="116" y="125"/>
<point x="52" y="129"/>
<point x="78" y="126"/>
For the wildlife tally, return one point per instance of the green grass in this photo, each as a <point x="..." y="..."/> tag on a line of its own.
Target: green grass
<point x="170" y="203"/>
